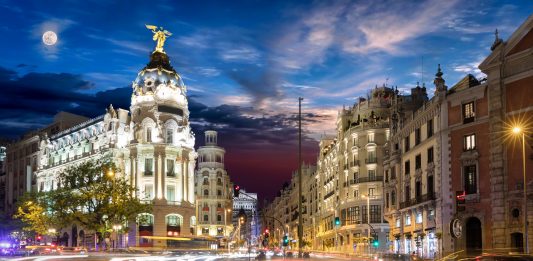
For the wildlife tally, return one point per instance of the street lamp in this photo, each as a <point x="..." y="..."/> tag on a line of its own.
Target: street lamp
<point x="367" y="218"/>
<point x="517" y="130"/>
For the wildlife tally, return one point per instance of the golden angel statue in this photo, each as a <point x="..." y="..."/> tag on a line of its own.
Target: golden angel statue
<point x="160" y="36"/>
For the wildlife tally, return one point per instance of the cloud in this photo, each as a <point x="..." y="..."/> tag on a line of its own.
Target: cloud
<point x="208" y="71"/>
<point x="261" y="83"/>
<point x="241" y="54"/>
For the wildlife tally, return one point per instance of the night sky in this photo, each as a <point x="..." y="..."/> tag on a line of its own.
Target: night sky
<point x="244" y="63"/>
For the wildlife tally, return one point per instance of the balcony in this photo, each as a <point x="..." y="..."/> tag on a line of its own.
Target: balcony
<point x="371" y="160"/>
<point x="366" y="179"/>
<point x="417" y="200"/>
<point x="329" y="194"/>
<point x="354" y="163"/>
<point x="174" y="203"/>
<point x="211" y="165"/>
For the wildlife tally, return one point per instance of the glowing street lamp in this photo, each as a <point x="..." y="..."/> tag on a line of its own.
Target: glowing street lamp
<point x="517" y="130"/>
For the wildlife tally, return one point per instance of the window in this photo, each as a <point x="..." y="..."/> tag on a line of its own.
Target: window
<point x="206" y="192"/>
<point x="470" y="179"/>
<point x="356" y="193"/>
<point x="387" y="200"/>
<point x="417" y="136"/>
<point x="171" y="193"/>
<point x="371" y="191"/>
<point x="468" y="112"/>
<point x="219" y="218"/>
<point x="219" y="192"/>
<point x="418" y="219"/>
<point x="431" y="189"/>
<point x="174" y="220"/>
<point x="371" y="156"/>
<point x="407" y="219"/>
<point x="407" y="194"/>
<point x="148" y="191"/>
<point x="371" y="138"/>
<point x="206" y="218"/>
<point x="430" y="128"/>
<point x="371" y="174"/>
<point x="430" y="155"/>
<point x="470" y="142"/>
<point x="170" y="168"/>
<point x="170" y="136"/>
<point x="407" y="167"/>
<point x="393" y="197"/>
<point x="398" y="222"/>
<point x="148" y="134"/>
<point x="393" y="173"/>
<point x="148" y="167"/>
<point x="418" y="161"/>
<point x="375" y="214"/>
<point x="407" y="146"/>
<point x="364" y="213"/>
<point x="418" y="190"/>
<point x="352" y="215"/>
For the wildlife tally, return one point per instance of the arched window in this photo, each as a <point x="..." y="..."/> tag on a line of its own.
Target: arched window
<point x="206" y="192"/>
<point x="174" y="220"/>
<point x="206" y="181"/>
<point x="145" y="219"/>
<point x="219" y="181"/>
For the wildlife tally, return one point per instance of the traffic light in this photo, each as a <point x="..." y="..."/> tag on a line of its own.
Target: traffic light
<point x="285" y="240"/>
<point x="460" y="201"/>
<point x="337" y="221"/>
<point x="375" y="240"/>
<point x="39" y="238"/>
<point x="236" y="191"/>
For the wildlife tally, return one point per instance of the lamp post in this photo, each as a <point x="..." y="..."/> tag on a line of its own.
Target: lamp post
<point x="368" y="219"/>
<point x="226" y="227"/>
<point x="519" y="131"/>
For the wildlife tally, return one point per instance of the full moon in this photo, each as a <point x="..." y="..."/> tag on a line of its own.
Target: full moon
<point x="49" y="38"/>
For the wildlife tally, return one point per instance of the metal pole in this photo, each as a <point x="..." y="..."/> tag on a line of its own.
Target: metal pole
<point x="368" y="219"/>
<point x="526" y="249"/>
<point x="300" y="225"/>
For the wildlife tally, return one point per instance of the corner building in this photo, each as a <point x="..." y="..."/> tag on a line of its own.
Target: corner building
<point x="152" y="145"/>
<point x="350" y="177"/>
<point x="214" y="190"/>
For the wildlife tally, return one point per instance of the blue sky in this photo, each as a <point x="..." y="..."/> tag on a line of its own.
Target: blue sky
<point x="248" y="59"/>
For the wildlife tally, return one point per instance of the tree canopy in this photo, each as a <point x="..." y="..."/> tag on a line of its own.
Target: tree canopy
<point x="93" y="194"/>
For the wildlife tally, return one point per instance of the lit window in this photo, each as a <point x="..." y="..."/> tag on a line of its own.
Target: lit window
<point x="371" y="191"/>
<point x="468" y="112"/>
<point x="407" y="219"/>
<point x="470" y="142"/>
<point x="397" y="222"/>
<point x="148" y="134"/>
<point x="419" y="217"/>
<point x="148" y="191"/>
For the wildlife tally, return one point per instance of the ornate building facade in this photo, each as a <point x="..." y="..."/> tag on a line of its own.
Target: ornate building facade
<point x="153" y="146"/>
<point x="214" y="190"/>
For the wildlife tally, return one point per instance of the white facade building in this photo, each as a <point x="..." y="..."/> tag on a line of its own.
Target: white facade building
<point x="247" y="203"/>
<point x="152" y="145"/>
<point x="213" y="189"/>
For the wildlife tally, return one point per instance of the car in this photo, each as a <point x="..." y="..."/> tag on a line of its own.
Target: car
<point x="306" y="255"/>
<point x="73" y="250"/>
<point x="261" y="255"/>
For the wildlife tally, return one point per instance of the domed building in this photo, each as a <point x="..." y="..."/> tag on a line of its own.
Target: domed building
<point x="153" y="146"/>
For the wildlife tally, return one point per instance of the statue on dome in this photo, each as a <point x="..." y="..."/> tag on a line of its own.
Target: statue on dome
<point x="160" y="36"/>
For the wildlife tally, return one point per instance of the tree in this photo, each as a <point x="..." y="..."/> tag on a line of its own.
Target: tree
<point x="92" y="194"/>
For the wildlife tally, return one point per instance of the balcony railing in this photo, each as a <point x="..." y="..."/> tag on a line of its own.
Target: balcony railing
<point x="371" y="160"/>
<point x="417" y="200"/>
<point x="329" y="194"/>
<point x="366" y="179"/>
